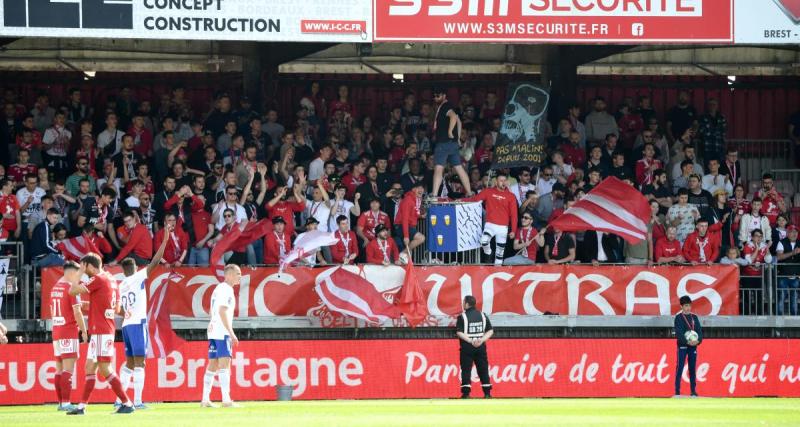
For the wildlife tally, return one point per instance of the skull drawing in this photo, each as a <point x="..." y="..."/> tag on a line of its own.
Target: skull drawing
<point x="524" y="112"/>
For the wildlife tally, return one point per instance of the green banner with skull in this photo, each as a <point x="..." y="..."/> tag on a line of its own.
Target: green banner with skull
<point x="521" y="139"/>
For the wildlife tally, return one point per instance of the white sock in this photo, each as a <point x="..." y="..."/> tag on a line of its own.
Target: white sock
<point x="125" y="378"/>
<point x="208" y="383"/>
<point x="138" y="385"/>
<point x="225" y="384"/>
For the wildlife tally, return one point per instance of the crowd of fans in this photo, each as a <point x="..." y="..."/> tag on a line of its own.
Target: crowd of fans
<point x="115" y="175"/>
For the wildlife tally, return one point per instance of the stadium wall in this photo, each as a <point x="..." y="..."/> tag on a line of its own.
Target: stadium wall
<point x="429" y="369"/>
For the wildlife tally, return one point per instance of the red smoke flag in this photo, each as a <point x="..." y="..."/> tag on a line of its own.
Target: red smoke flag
<point x="163" y="339"/>
<point x="612" y="207"/>
<point x="410" y="300"/>
<point x="352" y="295"/>
<point x="76" y="248"/>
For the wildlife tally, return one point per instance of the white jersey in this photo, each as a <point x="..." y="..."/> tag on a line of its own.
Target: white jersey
<point x="133" y="296"/>
<point x="221" y="297"/>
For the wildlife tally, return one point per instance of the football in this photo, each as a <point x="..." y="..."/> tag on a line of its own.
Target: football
<point x="691" y="336"/>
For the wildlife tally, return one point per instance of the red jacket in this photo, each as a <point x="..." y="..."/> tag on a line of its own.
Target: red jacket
<point x="666" y="249"/>
<point x="101" y="243"/>
<point x="408" y="213"/>
<point x="501" y="206"/>
<point x="175" y="247"/>
<point x="272" y="248"/>
<point x="145" y="140"/>
<point x="691" y="247"/>
<point x="285" y="209"/>
<point x="339" y="251"/>
<point x="643" y="174"/>
<point x="375" y="254"/>
<point x="139" y="243"/>
<point x="573" y="155"/>
<point x="367" y="222"/>
<point x="754" y="255"/>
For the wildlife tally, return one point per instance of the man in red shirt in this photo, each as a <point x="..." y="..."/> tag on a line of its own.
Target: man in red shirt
<point x="345" y="250"/>
<point x="9" y="208"/>
<point x="501" y="209"/>
<point x="281" y="207"/>
<point x="140" y="243"/>
<point x="700" y="247"/>
<point x="772" y="201"/>
<point x="178" y="245"/>
<point x="18" y="171"/>
<point x="278" y="243"/>
<point x="103" y="307"/>
<point x="382" y="250"/>
<point x="354" y="179"/>
<point x="574" y="154"/>
<point x="526" y="242"/>
<point x="405" y="224"/>
<point x="67" y="319"/>
<point x="369" y="220"/>
<point x="756" y="252"/>
<point x="668" y="249"/>
<point x="647" y="165"/>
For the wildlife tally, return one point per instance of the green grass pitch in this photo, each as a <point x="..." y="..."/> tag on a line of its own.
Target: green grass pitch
<point x="474" y="412"/>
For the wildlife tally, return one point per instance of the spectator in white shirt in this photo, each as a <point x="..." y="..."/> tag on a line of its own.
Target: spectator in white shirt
<point x="715" y="181"/>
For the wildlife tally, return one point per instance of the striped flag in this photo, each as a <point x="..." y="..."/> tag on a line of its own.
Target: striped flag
<point x="237" y="237"/>
<point x="163" y="339"/>
<point x="352" y="295"/>
<point x="309" y="243"/>
<point x="611" y="207"/>
<point x="76" y="248"/>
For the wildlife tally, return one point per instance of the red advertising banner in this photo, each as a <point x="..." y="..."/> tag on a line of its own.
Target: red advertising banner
<point x="529" y="290"/>
<point x="556" y="21"/>
<point x="379" y="369"/>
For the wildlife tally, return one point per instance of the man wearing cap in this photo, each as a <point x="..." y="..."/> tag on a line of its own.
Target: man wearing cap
<point x="788" y="252"/>
<point x="473" y="329"/>
<point x="382" y="250"/>
<point x="277" y="243"/>
<point x="317" y="255"/>
<point x="447" y="129"/>
<point x="687" y="321"/>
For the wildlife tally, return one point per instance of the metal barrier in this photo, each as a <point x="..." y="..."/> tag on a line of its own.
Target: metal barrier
<point x="786" y="291"/>
<point x="16" y="292"/>
<point x="760" y="155"/>
<point x="421" y="255"/>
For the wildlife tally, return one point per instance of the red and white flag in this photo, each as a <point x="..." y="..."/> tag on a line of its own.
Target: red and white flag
<point x="307" y="244"/>
<point x="76" y="248"/>
<point x="163" y="339"/>
<point x="237" y="237"/>
<point x="352" y="295"/>
<point x="410" y="300"/>
<point x="611" y="207"/>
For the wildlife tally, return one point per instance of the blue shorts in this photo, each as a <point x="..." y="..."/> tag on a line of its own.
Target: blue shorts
<point x="219" y="348"/>
<point x="446" y="152"/>
<point x="136" y="339"/>
<point x="398" y="236"/>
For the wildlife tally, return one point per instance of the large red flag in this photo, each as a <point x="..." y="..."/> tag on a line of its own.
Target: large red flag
<point x="612" y="207"/>
<point x="410" y="300"/>
<point x="236" y="238"/>
<point x="350" y="294"/>
<point x="163" y="339"/>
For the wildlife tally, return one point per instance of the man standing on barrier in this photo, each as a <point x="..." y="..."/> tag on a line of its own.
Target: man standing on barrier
<point x="473" y="329"/>
<point x="689" y="334"/>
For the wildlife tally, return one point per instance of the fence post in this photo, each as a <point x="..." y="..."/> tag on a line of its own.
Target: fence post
<point x="767" y="280"/>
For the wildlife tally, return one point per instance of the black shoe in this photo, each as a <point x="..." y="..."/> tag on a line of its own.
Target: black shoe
<point x="465" y="396"/>
<point x="77" y="411"/>
<point x="487" y="395"/>
<point x="694" y="394"/>
<point x="124" y="409"/>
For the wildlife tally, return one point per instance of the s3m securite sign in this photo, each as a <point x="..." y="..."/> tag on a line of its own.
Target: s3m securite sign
<point x="251" y="20"/>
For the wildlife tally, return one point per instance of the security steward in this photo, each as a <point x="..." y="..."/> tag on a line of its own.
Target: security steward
<point x="473" y="329"/>
<point x="686" y="321"/>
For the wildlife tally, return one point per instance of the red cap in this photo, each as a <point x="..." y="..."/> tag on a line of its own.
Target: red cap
<point x="791" y="228"/>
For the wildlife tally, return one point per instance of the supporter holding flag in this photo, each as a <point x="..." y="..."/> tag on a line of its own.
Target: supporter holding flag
<point x="527" y="241"/>
<point x="501" y="210"/>
<point x="314" y="256"/>
<point x="345" y="250"/>
<point x="700" y="247"/>
<point x="382" y="250"/>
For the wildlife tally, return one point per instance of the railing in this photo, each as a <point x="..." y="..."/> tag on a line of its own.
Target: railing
<point x="15" y="290"/>
<point x="761" y="155"/>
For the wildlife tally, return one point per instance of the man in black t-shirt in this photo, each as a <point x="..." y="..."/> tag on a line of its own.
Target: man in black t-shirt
<point x="680" y="117"/>
<point x="559" y="247"/>
<point x="447" y="128"/>
<point x="659" y="191"/>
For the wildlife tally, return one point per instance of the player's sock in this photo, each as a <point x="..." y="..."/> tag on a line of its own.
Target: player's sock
<point x="88" y="388"/>
<point x="57" y="385"/>
<point x="485" y="239"/>
<point x="116" y="385"/>
<point x="225" y="384"/>
<point x="125" y="375"/>
<point x="208" y="383"/>
<point x="498" y="253"/>
<point x="138" y="385"/>
<point x="66" y="387"/>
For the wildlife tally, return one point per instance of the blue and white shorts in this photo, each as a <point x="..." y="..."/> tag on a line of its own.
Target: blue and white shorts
<point x="136" y="338"/>
<point x="219" y="348"/>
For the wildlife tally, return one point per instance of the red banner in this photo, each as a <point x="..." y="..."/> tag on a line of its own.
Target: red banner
<point x="557" y="21"/>
<point x="529" y="290"/>
<point x="379" y="369"/>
